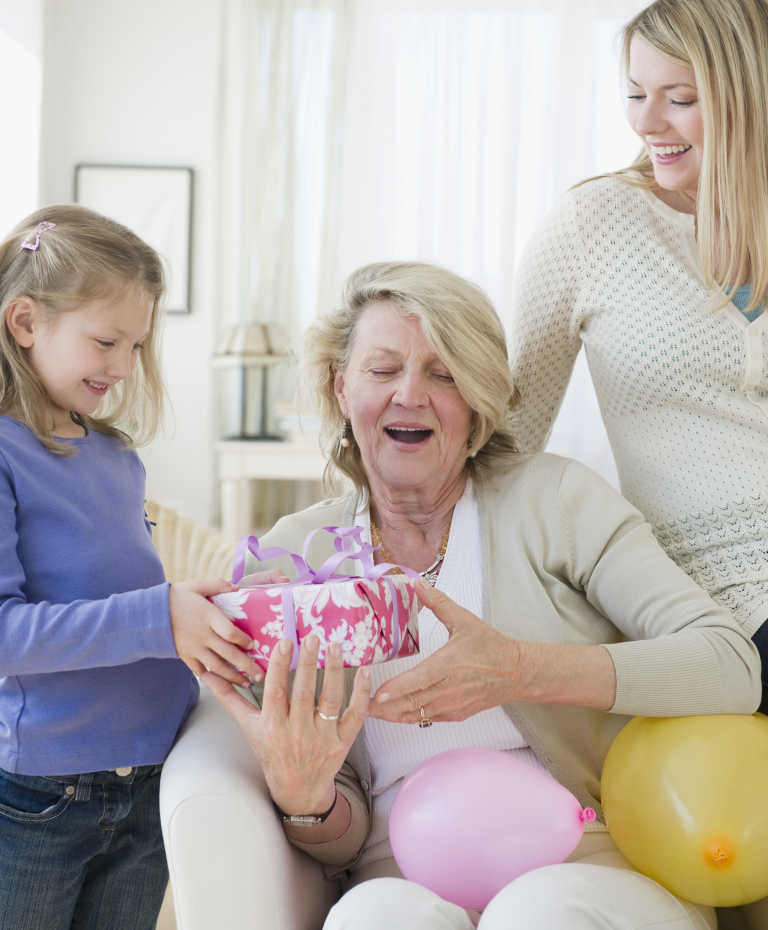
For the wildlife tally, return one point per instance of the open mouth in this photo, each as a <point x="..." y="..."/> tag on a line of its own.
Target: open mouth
<point x="666" y="154"/>
<point x="670" y="149"/>
<point x="407" y="434"/>
<point x="97" y="387"/>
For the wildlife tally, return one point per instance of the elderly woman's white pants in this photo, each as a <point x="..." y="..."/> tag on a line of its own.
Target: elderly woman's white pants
<point x="597" y="892"/>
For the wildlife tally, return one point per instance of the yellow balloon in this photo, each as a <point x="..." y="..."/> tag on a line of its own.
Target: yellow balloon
<point x="686" y="800"/>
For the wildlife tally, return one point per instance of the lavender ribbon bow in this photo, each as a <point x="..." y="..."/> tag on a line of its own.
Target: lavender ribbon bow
<point x="345" y="537"/>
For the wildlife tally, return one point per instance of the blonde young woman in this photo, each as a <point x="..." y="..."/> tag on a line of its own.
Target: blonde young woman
<point x="555" y="615"/>
<point x="660" y="271"/>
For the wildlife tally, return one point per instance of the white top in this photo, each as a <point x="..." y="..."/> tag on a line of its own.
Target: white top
<point x="395" y="749"/>
<point x="683" y="391"/>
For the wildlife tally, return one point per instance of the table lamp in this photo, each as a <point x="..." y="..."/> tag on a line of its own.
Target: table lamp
<point x="253" y="348"/>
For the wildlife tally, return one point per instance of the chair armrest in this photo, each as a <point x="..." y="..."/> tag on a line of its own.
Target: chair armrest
<point x="230" y="863"/>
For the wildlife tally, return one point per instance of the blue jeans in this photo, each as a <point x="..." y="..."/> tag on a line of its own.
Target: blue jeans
<point x="81" y="852"/>
<point x="760" y="639"/>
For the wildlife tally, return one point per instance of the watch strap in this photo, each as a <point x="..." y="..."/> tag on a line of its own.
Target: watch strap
<point x="307" y="820"/>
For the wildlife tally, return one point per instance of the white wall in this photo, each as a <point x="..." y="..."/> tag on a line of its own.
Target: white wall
<point x="137" y="83"/>
<point x="21" y="50"/>
<point x="23" y="21"/>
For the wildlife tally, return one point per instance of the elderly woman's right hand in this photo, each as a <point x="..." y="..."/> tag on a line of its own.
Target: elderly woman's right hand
<point x="299" y="751"/>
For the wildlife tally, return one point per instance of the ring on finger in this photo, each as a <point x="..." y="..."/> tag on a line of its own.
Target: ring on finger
<point x="325" y="716"/>
<point x="425" y="721"/>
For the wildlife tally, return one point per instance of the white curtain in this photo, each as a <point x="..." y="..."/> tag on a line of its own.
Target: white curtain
<point x="283" y="80"/>
<point x="355" y="131"/>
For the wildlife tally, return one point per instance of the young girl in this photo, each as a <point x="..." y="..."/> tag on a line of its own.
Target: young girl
<point x="97" y="652"/>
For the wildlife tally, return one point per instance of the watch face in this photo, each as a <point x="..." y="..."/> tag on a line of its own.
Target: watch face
<point x="308" y="821"/>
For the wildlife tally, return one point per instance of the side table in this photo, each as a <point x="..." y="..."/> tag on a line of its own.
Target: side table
<point x="240" y="463"/>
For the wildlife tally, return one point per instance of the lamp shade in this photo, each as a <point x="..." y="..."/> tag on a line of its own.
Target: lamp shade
<point x="250" y="344"/>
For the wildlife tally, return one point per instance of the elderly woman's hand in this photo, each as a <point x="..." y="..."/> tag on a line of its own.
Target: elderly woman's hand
<point x="476" y="669"/>
<point x="299" y="751"/>
<point x="479" y="668"/>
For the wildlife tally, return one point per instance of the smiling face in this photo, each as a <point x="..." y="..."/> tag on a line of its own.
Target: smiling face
<point x="664" y="111"/>
<point x="407" y="415"/>
<point x="81" y="354"/>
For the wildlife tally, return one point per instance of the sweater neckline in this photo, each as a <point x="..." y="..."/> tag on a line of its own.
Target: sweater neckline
<point x="463" y="514"/>
<point x="77" y="440"/>
<point x="686" y="220"/>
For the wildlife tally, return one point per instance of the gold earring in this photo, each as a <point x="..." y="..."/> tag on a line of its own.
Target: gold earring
<point x="344" y="440"/>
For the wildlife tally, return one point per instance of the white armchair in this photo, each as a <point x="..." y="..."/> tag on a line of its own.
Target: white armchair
<point x="230" y="864"/>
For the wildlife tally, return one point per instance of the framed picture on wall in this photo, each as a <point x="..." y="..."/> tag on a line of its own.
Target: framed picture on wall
<point x="156" y="203"/>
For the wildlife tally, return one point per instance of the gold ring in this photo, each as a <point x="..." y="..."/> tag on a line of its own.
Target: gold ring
<point x="425" y="721"/>
<point x="325" y="716"/>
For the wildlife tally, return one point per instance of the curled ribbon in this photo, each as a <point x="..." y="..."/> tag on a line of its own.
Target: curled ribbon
<point x="343" y="543"/>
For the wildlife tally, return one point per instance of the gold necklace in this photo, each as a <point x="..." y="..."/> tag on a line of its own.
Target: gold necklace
<point x="430" y="574"/>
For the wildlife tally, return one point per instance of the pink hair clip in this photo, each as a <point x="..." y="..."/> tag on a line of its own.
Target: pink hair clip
<point x="39" y="230"/>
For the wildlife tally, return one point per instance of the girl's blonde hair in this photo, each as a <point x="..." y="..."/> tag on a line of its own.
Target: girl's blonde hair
<point x="725" y="44"/>
<point x="463" y="330"/>
<point x="86" y="257"/>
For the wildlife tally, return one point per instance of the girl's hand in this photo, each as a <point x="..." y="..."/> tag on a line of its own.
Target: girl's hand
<point x="299" y="751"/>
<point x="205" y="638"/>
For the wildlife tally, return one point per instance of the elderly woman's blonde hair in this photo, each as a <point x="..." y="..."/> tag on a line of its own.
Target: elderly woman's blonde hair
<point x="725" y="44"/>
<point x="84" y="257"/>
<point x="463" y="330"/>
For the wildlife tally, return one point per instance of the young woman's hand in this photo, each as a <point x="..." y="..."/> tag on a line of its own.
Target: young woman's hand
<point x="205" y="638"/>
<point x="299" y="750"/>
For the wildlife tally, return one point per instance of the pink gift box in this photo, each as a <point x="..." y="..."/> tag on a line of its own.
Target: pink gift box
<point x="358" y="613"/>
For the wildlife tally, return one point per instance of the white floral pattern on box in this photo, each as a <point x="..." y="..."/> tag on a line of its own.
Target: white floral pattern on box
<point x="357" y="613"/>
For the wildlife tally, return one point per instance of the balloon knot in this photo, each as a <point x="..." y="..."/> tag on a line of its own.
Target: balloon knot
<point x="588" y="815"/>
<point x="721" y="856"/>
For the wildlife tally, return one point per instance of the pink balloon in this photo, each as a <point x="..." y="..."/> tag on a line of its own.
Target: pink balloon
<point x="467" y="822"/>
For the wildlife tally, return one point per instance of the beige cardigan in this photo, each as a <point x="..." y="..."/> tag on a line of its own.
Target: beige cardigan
<point x="567" y="559"/>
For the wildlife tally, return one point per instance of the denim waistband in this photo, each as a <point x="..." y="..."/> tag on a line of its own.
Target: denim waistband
<point x="108" y="775"/>
<point x="78" y="786"/>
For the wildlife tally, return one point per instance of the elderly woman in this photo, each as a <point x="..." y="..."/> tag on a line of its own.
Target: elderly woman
<point x="554" y="615"/>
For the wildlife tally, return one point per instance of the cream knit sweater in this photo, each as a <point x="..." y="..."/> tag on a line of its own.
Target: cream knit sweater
<point x="683" y="391"/>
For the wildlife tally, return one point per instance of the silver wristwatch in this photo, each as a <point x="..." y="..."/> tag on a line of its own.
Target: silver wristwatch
<point x="308" y="820"/>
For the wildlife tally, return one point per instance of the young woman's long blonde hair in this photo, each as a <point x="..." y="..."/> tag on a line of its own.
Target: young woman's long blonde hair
<point x="85" y="257"/>
<point x="725" y="43"/>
